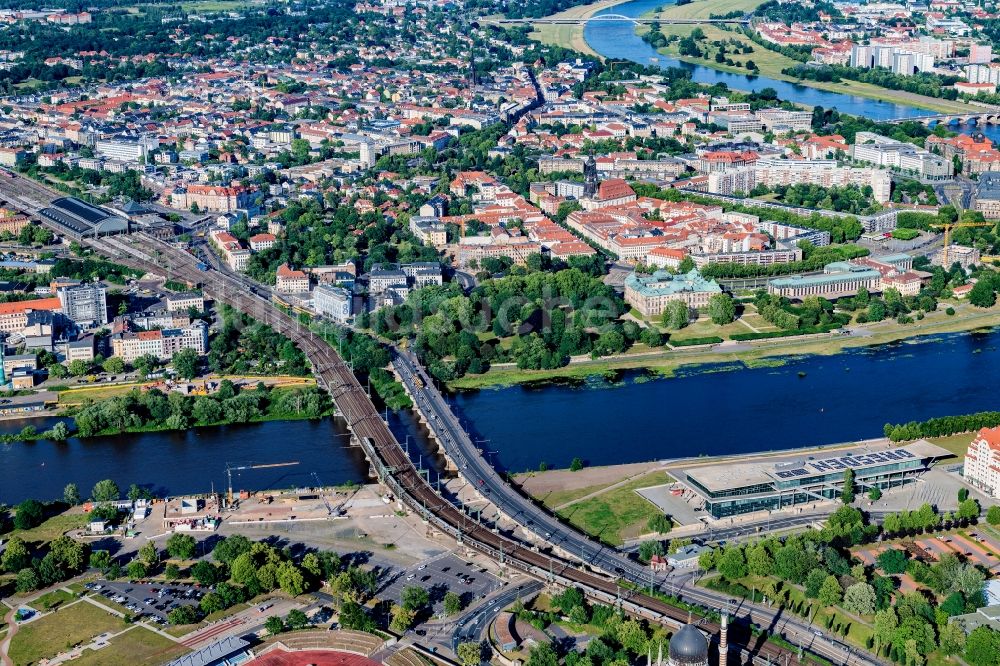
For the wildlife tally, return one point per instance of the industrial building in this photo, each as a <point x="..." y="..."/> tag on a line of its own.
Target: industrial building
<point x="731" y="490"/>
<point x="79" y="219"/>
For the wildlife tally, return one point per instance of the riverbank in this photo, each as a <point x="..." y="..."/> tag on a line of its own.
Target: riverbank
<point x="571" y="36"/>
<point x="749" y="354"/>
<point x="771" y="63"/>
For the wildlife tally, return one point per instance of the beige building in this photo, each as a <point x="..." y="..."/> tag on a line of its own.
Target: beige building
<point x="291" y="281"/>
<point x="982" y="461"/>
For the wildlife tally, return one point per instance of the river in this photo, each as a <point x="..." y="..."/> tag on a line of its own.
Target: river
<point x="720" y="410"/>
<point x="840" y="398"/>
<point x="617" y="40"/>
<point x="190" y="461"/>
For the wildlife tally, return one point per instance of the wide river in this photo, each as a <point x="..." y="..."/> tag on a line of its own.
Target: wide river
<point x="839" y="398"/>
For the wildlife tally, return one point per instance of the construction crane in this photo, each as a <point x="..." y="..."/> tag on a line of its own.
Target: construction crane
<point x="231" y="468"/>
<point x="947" y="235"/>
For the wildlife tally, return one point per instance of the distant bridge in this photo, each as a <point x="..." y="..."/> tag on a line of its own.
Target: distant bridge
<point x="980" y="118"/>
<point x="614" y="17"/>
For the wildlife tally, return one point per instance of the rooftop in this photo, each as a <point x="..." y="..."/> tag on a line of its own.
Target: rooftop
<point x="662" y="283"/>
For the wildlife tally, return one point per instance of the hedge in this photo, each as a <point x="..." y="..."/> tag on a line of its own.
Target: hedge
<point x="690" y="342"/>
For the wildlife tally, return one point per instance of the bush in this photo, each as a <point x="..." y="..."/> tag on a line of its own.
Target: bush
<point x="905" y="234"/>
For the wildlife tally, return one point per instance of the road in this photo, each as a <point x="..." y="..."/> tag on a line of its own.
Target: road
<point x="469" y="626"/>
<point x="399" y="474"/>
<point x="474" y="467"/>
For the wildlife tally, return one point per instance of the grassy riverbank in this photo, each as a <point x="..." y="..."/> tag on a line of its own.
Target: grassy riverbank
<point x="765" y="352"/>
<point x="770" y="63"/>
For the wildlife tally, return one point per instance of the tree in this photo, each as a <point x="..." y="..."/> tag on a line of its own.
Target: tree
<point x="183" y="615"/>
<point x="951" y="639"/>
<point x="830" y="593"/>
<point x="993" y="515"/>
<point x="732" y="565"/>
<point x="576" y="465"/>
<point x="28" y="514"/>
<point x="847" y="494"/>
<point x="470" y="654"/>
<point x="26" y="581"/>
<point x="814" y="581"/>
<point x="647" y="549"/>
<point x="415" y="597"/>
<point x="114" y="365"/>
<point x="149" y="555"/>
<point x="675" y="315"/>
<point x="543" y="655"/>
<point x="660" y="523"/>
<point x="860" y="599"/>
<point x="452" y="603"/>
<point x="71" y="494"/>
<point x="181" y="546"/>
<point x="353" y="616"/>
<point x="290" y="579"/>
<point x="185" y="362"/>
<point x="296" y="619"/>
<point x="982" y="295"/>
<point x="78" y="368"/>
<point x="16" y="556"/>
<point x="892" y="561"/>
<point x="172" y="572"/>
<point x="206" y="573"/>
<point x="100" y="559"/>
<point x="982" y="647"/>
<point x="230" y="548"/>
<point x="136" y="569"/>
<point x="759" y="562"/>
<point x="721" y="309"/>
<point x="875" y="494"/>
<point x="105" y="491"/>
<point x="274" y="625"/>
<point x="402" y="618"/>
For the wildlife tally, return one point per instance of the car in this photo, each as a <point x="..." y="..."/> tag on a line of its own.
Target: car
<point x="818" y="633"/>
<point x="263" y="607"/>
<point x="424" y="579"/>
<point x="421" y="567"/>
<point x="411" y="577"/>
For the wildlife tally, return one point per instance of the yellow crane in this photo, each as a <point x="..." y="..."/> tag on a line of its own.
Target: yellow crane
<point x="947" y="235"/>
<point x="230" y="469"/>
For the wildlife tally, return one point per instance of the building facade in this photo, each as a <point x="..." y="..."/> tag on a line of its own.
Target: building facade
<point x="982" y="461"/>
<point x="650" y="294"/>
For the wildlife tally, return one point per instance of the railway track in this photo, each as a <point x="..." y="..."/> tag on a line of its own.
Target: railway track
<point x="397" y="470"/>
<point x="394" y="467"/>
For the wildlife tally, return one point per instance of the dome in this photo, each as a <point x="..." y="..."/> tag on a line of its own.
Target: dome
<point x="688" y="647"/>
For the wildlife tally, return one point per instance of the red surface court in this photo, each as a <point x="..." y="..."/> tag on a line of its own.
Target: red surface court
<point x="280" y="657"/>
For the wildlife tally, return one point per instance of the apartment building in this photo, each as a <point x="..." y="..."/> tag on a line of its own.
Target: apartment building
<point x="500" y="243"/>
<point x="982" y="461"/>
<point x="231" y="249"/>
<point x="126" y="149"/>
<point x="429" y="230"/>
<point x="162" y="344"/>
<point x="15" y="316"/>
<point x="291" y="281"/>
<point x="184" y="302"/>
<point x="825" y="173"/>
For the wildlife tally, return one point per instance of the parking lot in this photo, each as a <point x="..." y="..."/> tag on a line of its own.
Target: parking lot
<point x="443" y="574"/>
<point x="152" y="601"/>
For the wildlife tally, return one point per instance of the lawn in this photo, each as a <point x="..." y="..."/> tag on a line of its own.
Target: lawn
<point x="957" y="444"/>
<point x="136" y="646"/>
<point x="53" y="528"/>
<point x="52" y="600"/>
<point x="60" y="630"/>
<point x="703" y="9"/>
<point x="611" y="515"/>
<point x="560" y="497"/>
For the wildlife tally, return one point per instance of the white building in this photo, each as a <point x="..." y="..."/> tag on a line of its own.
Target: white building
<point x="825" y="173"/>
<point x="332" y="302"/>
